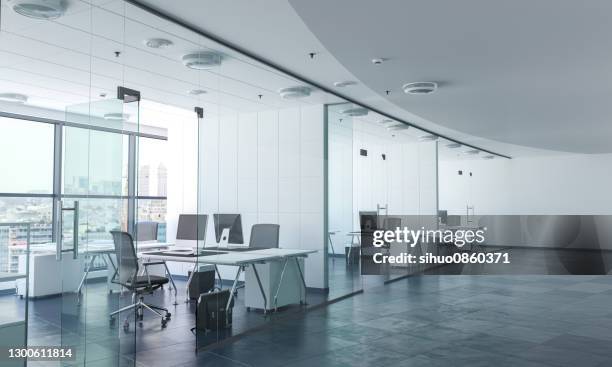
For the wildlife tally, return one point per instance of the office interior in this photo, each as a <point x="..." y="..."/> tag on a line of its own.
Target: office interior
<point x="107" y="127"/>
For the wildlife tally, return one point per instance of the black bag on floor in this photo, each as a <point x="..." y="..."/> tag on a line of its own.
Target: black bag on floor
<point x="201" y="282"/>
<point x="210" y="312"/>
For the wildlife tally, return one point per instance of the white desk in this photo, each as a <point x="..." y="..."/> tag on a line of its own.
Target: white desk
<point x="286" y="255"/>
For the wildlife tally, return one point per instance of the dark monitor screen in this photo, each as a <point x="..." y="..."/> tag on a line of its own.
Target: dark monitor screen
<point x="368" y="221"/>
<point x="231" y="221"/>
<point x="192" y="227"/>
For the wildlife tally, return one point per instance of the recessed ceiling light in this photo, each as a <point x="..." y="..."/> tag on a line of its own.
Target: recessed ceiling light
<point x="428" y="138"/>
<point x="116" y="116"/>
<point x="159" y="43"/>
<point x="378" y="61"/>
<point x="344" y="83"/>
<point x="197" y="92"/>
<point x="13" y="97"/>
<point x="294" y="92"/>
<point x="355" y="112"/>
<point x="453" y="145"/>
<point x="39" y="9"/>
<point x="385" y="121"/>
<point x="488" y="157"/>
<point x="472" y="152"/>
<point x="420" y="88"/>
<point x="203" y="60"/>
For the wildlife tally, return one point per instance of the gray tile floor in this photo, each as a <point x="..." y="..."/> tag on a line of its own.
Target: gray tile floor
<point x="525" y="321"/>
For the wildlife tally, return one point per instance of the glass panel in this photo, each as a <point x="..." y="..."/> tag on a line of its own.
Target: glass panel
<point x="154" y="210"/>
<point x="26" y="149"/>
<point x="98" y="160"/>
<point x="152" y="167"/>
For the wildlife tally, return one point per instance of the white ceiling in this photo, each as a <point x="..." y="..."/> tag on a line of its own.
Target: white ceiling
<point x="71" y="61"/>
<point x="530" y="73"/>
<point x="517" y="77"/>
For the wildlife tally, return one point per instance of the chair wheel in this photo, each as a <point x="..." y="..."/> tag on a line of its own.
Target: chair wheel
<point x="168" y="315"/>
<point x="164" y="322"/>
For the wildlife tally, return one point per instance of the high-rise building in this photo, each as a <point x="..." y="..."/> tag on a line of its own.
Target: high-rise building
<point x="162" y="180"/>
<point x="144" y="178"/>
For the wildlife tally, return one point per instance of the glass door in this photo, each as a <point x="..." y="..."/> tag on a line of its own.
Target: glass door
<point x="98" y="180"/>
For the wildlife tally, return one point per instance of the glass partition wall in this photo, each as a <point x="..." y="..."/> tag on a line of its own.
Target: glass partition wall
<point x="382" y="175"/>
<point x="132" y="124"/>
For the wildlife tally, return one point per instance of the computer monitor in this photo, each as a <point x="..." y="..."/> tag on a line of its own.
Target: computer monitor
<point x="368" y="221"/>
<point x="233" y="223"/>
<point x="191" y="228"/>
<point x="443" y="216"/>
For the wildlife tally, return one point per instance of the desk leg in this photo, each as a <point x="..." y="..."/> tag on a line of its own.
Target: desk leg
<point x="195" y="267"/>
<point x="171" y="281"/>
<point x="219" y="275"/>
<point x="231" y="296"/>
<point x="110" y="279"/>
<point x="89" y="266"/>
<point x="280" y="281"/>
<point x="297" y="263"/>
<point x="263" y="294"/>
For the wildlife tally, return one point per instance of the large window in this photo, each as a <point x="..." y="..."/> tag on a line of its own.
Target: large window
<point x="28" y="171"/>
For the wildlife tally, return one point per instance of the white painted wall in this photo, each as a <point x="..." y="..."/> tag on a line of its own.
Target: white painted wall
<point x="576" y="184"/>
<point x="405" y="181"/>
<point x="268" y="167"/>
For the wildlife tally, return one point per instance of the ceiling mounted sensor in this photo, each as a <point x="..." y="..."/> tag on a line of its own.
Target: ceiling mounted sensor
<point x="203" y="60"/>
<point x="488" y="157"/>
<point x="294" y="92"/>
<point x="39" y="9"/>
<point x="453" y="145"/>
<point x="355" y="112"/>
<point x="117" y="116"/>
<point x="13" y="97"/>
<point x="420" y="88"/>
<point x="345" y="83"/>
<point x="473" y="152"/>
<point x="158" y="43"/>
<point x="197" y="92"/>
<point x="428" y="138"/>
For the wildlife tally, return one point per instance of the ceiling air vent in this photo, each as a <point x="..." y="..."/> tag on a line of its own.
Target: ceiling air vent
<point x="203" y="60"/>
<point x="420" y="88"/>
<point x="294" y="92"/>
<point x="355" y="112"/>
<point x="39" y="9"/>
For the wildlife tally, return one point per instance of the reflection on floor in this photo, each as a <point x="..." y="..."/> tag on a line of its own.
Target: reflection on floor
<point x="526" y="321"/>
<point x="100" y="343"/>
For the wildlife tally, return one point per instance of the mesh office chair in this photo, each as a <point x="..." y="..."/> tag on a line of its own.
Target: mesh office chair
<point x="127" y="276"/>
<point x="264" y="236"/>
<point x="146" y="231"/>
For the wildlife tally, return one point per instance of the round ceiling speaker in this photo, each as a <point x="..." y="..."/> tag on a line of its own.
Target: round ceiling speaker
<point x="117" y="116"/>
<point x="428" y="138"/>
<point x="13" y="97"/>
<point x="158" y="43"/>
<point x="39" y="9"/>
<point x="420" y="88"/>
<point x="294" y="92"/>
<point x="355" y="112"/>
<point x="453" y="145"/>
<point x="203" y="60"/>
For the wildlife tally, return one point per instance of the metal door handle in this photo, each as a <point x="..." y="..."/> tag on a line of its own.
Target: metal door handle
<point x="60" y="224"/>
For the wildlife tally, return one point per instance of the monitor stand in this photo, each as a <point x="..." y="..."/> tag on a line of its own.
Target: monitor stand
<point x="223" y="243"/>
